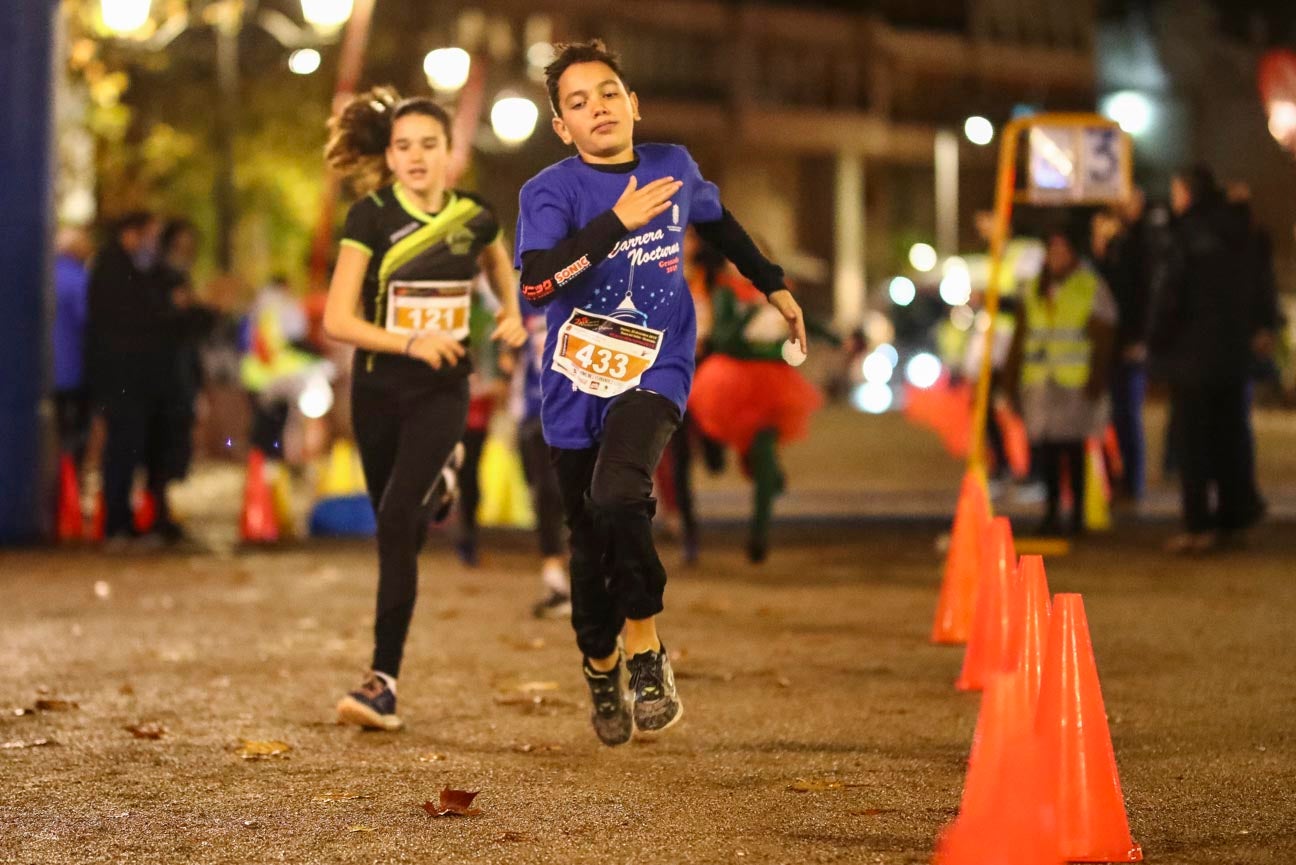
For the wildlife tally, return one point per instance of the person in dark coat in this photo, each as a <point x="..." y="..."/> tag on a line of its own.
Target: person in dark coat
<point x="1206" y="324"/>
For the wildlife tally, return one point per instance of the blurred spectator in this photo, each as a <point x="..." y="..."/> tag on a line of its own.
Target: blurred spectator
<point x="71" y="399"/>
<point x="1210" y="317"/>
<point x="1058" y="367"/>
<point x="1124" y="256"/>
<point x="170" y="449"/>
<point x="127" y="333"/>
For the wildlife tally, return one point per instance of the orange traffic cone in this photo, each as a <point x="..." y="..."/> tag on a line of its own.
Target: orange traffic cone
<point x="1005" y="817"/>
<point x="988" y="645"/>
<point x="1080" y="764"/>
<point x="145" y="512"/>
<point x="99" y="521"/>
<point x="1029" y="621"/>
<point x="958" y="589"/>
<point x="258" y="522"/>
<point x="70" y="524"/>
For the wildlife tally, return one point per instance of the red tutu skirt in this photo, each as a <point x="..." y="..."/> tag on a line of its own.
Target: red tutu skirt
<point x="733" y="399"/>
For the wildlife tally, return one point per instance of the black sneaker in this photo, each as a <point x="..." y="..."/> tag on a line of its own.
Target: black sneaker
<point x="656" y="703"/>
<point x="555" y="605"/>
<point x="611" y="713"/>
<point x="372" y="706"/>
<point x="445" y="490"/>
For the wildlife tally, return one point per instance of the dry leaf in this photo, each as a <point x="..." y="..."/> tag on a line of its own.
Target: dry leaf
<point x="544" y="748"/>
<point x="534" y="687"/>
<point x="151" y="730"/>
<point x="510" y="838"/>
<point x="250" y="824"/>
<point x="456" y="803"/>
<point x="814" y="785"/>
<point x="535" y="704"/>
<point x="432" y="758"/>
<point x="362" y="828"/>
<point x="783" y="682"/>
<point x="50" y="704"/>
<point x="126" y="690"/>
<point x="335" y="796"/>
<point x="34" y="743"/>
<point x="252" y="750"/>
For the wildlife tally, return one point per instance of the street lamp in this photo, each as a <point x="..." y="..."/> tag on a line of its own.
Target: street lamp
<point x="922" y="256"/>
<point x="326" y="15"/>
<point x="513" y="118"/>
<point x="124" y="16"/>
<point x="226" y="17"/>
<point x="447" y="69"/>
<point x="978" y="130"/>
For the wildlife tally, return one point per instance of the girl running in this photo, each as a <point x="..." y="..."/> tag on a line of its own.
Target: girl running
<point x="400" y="293"/>
<point x="600" y="236"/>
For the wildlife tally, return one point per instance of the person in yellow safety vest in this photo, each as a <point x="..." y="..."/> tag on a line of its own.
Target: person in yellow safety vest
<point x="1057" y="369"/>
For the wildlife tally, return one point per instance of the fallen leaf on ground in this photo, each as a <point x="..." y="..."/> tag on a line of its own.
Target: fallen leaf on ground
<point x="362" y="828"/>
<point x="51" y="704"/>
<point x="126" y="690"/>
<point x="534" y="687"/>
<point x="250" y="824"/>
<point x="538" y="704"/>
<point x="510" y="837"/>
<point x="542" y="748"/>
<point x="524" y="645"/>
<point x="818" y="785"/>
<point x="432" y="758"/>
<point x="456" y="803"/>
<point x="336" y="796"/>
<point x="252" y="750"/>
<point x="34" y="743"/>
<point x="151" y="730"/>
<point x="783" y="682"/>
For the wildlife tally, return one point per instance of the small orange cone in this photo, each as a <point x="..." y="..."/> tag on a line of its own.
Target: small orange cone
<point x="1030" y="617"/>
<point x="954" y="609"/>
<point x="70" y="524"/>
<point x="95" y="532"/>
<point x="1005" y="817"/>
<point x="145" y="514"/>
<point x="1079" y="761"/>
<point x="257" y="525"/>
<point x="988" y="644"/>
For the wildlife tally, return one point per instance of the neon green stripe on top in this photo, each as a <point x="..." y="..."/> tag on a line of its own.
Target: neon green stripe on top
<point x="435" y="230"/>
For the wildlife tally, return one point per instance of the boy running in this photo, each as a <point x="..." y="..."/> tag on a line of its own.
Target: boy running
<point x="599" y="241"/>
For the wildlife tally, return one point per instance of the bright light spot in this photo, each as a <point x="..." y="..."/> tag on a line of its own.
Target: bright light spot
<point x="514" y="119"/>
<point x="316" y="398"/>
<point x="447" y="68"/>
<point x="982" y="321"/>
<point x="304" y="61"/>
<point x="878" y="328"/>
<point x="102" y="590"/>
<point x="956" y="282"/>
<point x="124" y="16"/>
<point x="877" y="368"/>
<point x="903" y="291"/>
<point x="923" y="257"/>
<point x="923" y="370"/>
<point x="962" y="317"/>
<point x="978" y="130"/>
<point x="1282" y="121"/>
<point x="1131" y="109"/>
<point x="540" y="55"/>
<point x="872" y="397"/>
<point x="888" y="351"/>
<point x="326" y="14"/>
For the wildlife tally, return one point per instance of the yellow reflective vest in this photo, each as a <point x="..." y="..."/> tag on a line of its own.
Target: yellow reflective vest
<point x="1058" y="347"/>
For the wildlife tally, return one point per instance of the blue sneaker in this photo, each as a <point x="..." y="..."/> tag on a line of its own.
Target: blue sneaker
<point x="371" y="706"/>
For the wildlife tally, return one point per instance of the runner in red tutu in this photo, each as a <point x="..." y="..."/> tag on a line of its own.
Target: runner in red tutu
<point x="745" y="395"/>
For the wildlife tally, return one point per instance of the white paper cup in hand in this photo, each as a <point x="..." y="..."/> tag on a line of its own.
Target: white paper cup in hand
<point x="793" y="354"/>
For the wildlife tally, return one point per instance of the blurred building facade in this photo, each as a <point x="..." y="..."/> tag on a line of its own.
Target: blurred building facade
<point x="820" y="124"/>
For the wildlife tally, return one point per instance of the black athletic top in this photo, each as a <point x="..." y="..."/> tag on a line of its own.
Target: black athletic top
<point x="420" y="272"/>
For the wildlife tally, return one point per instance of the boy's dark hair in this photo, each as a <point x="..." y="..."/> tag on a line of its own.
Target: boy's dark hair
<point x="569" y="53"/>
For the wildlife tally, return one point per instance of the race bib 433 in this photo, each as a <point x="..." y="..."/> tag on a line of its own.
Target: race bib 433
<point x="604" y="356"/>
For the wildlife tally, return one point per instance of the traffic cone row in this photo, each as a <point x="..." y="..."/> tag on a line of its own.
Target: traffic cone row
<point x="1042" y="786"/>
<point x="257" y="524"/>
<point x="70" y="524"/>
<point x="954" y="610"/>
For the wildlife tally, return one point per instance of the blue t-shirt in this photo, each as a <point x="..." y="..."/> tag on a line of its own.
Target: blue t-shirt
<point x="638" y="290"/>
<point x="527" y="395"/>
